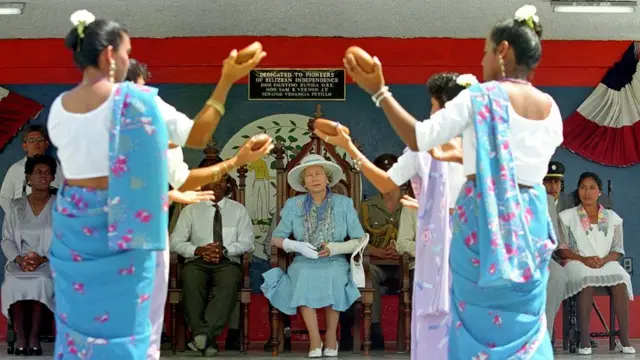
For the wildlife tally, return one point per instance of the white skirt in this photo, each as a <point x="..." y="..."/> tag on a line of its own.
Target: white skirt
<point x="19" y="286"/>
<point x="580" y="276"/>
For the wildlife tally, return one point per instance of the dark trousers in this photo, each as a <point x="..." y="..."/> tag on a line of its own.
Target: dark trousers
<point x="198" y="276"/>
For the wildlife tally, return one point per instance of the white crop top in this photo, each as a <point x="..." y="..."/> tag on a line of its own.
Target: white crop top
<point x="83" y="139"/>
<point x="532" y="142"/>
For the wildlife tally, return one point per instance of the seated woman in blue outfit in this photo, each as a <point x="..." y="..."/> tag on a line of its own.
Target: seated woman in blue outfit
<point x="319" y="275"/>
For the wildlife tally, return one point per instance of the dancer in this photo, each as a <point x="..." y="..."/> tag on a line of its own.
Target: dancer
<point x="503" y="238"/>
<point x="430" y="179"/>
<point x="178" y="175"/>
<point x="110" y="218"/>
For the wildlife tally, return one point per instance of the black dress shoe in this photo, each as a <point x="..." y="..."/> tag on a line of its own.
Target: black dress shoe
<point x="20" y="351"/>
<point x="35" y="351"/>
<point x="377" y="341"/>
<point x="232" y="342"/>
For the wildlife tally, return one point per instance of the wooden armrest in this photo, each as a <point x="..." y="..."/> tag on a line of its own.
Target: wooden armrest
<point x="405" y="260"/>
<point x="245" y="269"/>
<point x="176" y="262"/>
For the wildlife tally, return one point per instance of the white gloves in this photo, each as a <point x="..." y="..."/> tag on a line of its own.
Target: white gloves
<point x="304" y="248"/>
<point x="341" y="248"/>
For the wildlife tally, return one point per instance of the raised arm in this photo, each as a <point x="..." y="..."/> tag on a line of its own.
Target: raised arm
<point x="245" y="155"/>
<point x="196" y="134"/>
<point x="443" y="125"/>
<point x="385" y="182"/>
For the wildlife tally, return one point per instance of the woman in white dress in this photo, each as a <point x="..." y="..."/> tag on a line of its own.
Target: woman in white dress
<point x="591" y="243"/>
<point x="26" y="238"/>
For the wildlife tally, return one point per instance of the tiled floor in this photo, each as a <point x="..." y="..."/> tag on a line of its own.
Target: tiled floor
<point x="600" y="353"/>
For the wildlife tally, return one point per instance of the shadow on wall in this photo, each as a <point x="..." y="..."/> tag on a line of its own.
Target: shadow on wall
<point x="360" y="115"/>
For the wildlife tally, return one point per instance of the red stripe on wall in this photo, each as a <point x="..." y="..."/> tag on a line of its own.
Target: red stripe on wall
<point x="405" y="61"/>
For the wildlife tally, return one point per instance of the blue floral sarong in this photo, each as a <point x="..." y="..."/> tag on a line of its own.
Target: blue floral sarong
<point x="501" y="247"/>
<point x="103" y="253"/>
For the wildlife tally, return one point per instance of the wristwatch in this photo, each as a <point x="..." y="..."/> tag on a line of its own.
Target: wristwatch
<point x="224" y="252"/>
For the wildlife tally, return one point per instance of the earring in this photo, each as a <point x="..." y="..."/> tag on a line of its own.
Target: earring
<point x="501" y="64"/>
<point x="112" y="71"/>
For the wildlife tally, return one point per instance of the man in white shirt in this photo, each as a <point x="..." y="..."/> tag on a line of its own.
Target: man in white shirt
<point x="34" y="142"/>
<point x="212" y="237"/>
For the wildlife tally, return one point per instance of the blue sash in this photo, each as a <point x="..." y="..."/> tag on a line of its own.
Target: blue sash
<point x="513" y="257"/>
<point x="138" y="192"/>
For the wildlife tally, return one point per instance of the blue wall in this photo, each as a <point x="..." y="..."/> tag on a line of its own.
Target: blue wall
<point x="368" y="126"/>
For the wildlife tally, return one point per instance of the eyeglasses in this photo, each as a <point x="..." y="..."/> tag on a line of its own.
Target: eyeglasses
<point x="35" y="140"/>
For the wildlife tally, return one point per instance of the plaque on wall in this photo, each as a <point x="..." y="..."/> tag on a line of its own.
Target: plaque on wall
<point x="297" y="84"/>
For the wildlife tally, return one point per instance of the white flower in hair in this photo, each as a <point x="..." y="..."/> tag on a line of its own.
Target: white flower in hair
<point x="466" y="80"/>
<point x="527" y="13"/>
<point x="82" y="16"/>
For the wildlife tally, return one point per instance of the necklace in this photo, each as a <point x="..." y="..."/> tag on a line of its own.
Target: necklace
<point x="517" y="81"/>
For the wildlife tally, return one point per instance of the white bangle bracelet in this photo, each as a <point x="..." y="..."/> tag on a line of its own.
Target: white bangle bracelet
<point x="375" y="96"/>
<point x="382" y="97"/>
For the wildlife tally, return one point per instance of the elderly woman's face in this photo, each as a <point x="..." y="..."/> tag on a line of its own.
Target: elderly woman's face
<point x="41" y="177"/>
<point x="588" y="191"/>
<point x="315" y="178"/>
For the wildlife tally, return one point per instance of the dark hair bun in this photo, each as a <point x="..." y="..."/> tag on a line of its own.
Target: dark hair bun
<point x="524" y="41"/>
<point x="71" y="40"/>
<point x="98" y="35"/>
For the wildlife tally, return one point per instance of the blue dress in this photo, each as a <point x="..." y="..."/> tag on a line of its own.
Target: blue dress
<point x="501" y="248"/>
<point x="105" y="242"/>
<point x="321" y="282"/>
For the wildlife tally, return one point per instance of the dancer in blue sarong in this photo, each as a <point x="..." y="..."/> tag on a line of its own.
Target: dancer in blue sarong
<point x="110" y="218"/>
<point x="503" y="238"/>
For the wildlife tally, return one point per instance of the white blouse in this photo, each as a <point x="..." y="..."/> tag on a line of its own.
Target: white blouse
<point x="532" y="142"/>
<point x="83" y="139"/>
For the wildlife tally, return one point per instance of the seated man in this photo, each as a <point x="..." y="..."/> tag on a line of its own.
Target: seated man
<point x="557" y="277"/>
<point x="380" y="216"/>
<point x="211" y="236"/>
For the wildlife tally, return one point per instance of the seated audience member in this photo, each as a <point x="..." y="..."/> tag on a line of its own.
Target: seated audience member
<point x="557" y="278"/>
<point x="26" y="238"/>
<point x="380" y="216"/>
<point x="212" y="237"/>
<point x="318" y="277"/>
<point x="34" y="142"/>
<point x="591" y="243"/>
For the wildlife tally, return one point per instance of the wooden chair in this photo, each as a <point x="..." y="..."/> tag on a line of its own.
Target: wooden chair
<point x="403" y="340"/>
<point x="350" y="187"/>
<point x="178" y="323"/>
<point x="570" y="328"/>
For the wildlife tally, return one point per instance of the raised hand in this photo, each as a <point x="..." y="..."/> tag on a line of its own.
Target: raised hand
<point x="232" y="71"/>
<point x="248" y="152"/>
<point x="369" y="82"/>
<point x="190" y="197"/>
<point x="342" y="140"/>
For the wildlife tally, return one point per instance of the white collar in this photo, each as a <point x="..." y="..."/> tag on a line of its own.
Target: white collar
<point x="220" y="203"/>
